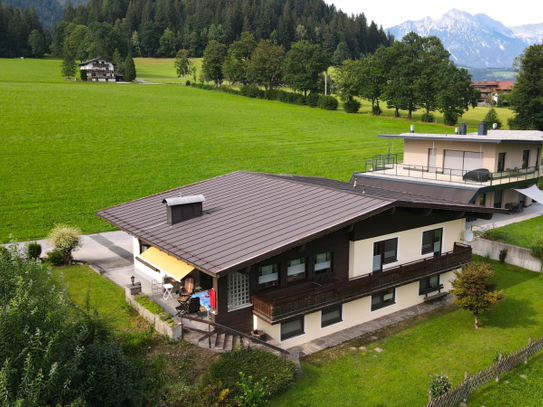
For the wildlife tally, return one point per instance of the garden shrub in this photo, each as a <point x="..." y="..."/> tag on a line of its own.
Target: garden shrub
<point x="427" y="117"/>
<point x="313" y="99"/>
<point x="250" y="91"/>
<point x="112" y="378"/>
<point x="258" y="364"/>
<point x="33" y="250"/>
<point x="149" y="304"/>
<point x="503" y="255"/>
<point x="251" y="393"/>
<point x="65" y="239"/>
<point x="187" y="83"/>
<point x="56" y="258"/>
<point x="439" y="385"/>
<point x="351" y="106"/>
<point x="328" y="103"/>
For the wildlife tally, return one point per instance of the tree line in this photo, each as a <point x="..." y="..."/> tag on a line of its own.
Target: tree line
<point x="21" y="33"/>
<point x="160" y="28"/>
<point x="412" y="74"/>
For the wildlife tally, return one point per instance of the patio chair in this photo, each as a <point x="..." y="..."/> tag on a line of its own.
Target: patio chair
<point x="184" y="297"/>
<point x="157" y="287"/>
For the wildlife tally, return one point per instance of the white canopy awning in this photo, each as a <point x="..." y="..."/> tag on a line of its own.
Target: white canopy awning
<point x="533" y="192"/>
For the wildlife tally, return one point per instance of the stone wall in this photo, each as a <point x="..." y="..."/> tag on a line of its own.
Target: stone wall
<point x="517" y="256"/>
<point x="162" y="327"/>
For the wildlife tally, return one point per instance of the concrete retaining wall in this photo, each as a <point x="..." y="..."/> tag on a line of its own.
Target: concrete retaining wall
<point x="517" y="256"/>
<point x="162" y="327"/>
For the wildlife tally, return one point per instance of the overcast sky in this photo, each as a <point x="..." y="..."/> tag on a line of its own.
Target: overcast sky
<point x="393" y="12"/>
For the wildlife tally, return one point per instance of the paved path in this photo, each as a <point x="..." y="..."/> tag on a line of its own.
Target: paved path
<point x="498" y="220"/>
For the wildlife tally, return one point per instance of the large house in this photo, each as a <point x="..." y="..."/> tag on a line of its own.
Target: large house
<point x="487" y="167"/>
<point x="491" y="89"/>
<point x="99" y="70"/>
<point x="299" y="257"/>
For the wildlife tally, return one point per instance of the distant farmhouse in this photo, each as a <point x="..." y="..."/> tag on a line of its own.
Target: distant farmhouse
<point x="491" y="89"/>
<point x="99" y="70"/>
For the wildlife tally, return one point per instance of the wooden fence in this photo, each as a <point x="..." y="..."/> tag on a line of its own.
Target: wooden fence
<point x="460" y="393"/>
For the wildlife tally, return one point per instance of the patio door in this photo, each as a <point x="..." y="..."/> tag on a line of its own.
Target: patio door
<point x="432" y="152"/>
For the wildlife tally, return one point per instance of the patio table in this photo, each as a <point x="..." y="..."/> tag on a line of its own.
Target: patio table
<point x="167" y="291"/>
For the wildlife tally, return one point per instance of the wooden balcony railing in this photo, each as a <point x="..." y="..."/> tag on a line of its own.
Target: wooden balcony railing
<point x="280" y="305"/>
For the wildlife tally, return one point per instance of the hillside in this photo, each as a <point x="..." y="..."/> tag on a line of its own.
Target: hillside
<point x="49" y="11"/>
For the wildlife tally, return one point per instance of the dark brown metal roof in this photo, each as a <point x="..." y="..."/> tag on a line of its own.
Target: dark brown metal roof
<point x="404" y="194"/>
<point x="247" y="217"/>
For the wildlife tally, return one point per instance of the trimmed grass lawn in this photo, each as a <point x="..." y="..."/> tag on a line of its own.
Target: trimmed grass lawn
<point x="442" y="342"/>
<point x="104" y="295"/>
<point x="523" y="234"/>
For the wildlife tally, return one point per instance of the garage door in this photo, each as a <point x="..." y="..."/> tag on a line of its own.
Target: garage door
<point x="453" y="162"/>
<point x="458" y="162"/>
<point x="472" y="161"/>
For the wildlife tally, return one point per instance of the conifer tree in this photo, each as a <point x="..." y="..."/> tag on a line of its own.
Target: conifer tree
<point x="129" y="68"/>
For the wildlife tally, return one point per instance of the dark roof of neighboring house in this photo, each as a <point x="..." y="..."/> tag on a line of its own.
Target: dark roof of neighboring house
<point x="403" y="193"/>
<point x="91" y="60"/>
<point x="492" y="136"/>
<point x="252" y="216"/>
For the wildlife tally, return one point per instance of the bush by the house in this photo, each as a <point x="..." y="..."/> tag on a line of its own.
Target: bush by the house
<point x="251" y="91"/>
<point x="66" y="239"/>
<point x="56" y="258"/>
<point x="33" y="250"/>
<point x="251" y="393"/>
<point x="258" y="364"/>
<point x="328" y="103"/>
<point x="351" y="106"/>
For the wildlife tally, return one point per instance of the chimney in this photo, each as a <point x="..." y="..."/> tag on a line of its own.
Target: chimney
<point x="183" y="208"/>
<point x="463" y="128"/>
<point x="456" y="130"/>
<point x="495" y="126"/>
<point x="483" y="129"/>
<point x="412" y="128"/>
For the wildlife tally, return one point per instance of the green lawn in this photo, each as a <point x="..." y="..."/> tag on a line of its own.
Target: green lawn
<point x="443" y="342"/>
<point x="104" y="296"/>
<point x="522" y="234"/>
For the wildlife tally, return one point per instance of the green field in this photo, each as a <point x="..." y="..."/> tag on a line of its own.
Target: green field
<point x="444" y="342"/>
<point x="523" y="234"/>
<point x="71" y="148"/>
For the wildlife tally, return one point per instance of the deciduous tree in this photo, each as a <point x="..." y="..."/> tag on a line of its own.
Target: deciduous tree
<point x="304" y="65"/>
<point x="473" y="290"/>
<point x="214" y="56"/>
<point x="526" y="97"/>
<point x="237" y="61"/>
<point x="183" y="64"/>
<point x="37" y="43"/>
<point x="266" y="65"/>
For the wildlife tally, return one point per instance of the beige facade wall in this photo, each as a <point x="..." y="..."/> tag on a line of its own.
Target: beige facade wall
<point x="416" y="152"/>
<point x="409" y="246"/>
<point x="142" y="267"/>
<point x="353" y="313"/>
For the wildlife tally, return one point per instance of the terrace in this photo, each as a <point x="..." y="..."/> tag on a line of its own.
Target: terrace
<point x="391" y="165"/>
<point x="280" y="305"/>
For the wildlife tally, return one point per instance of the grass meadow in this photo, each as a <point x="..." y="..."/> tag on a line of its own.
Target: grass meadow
<point x="71" y="148"/>
<point x="443" y="342"/>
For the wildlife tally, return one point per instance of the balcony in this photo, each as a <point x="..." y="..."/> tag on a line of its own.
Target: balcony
<point x="282" y="304"/>
<point x="390" y="165"/>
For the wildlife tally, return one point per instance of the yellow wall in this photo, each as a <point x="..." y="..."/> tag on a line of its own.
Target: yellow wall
<point x="354" y="313"/>
<point x="409" y="246"/>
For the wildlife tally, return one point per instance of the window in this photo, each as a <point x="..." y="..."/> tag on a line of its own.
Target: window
<point x="498" y="197"/>
<point x="525" y="158"/>
<point x="383" y="299"/>
<point x="501" y="162"/>
<point x="428" y="282"/>
<point x="268" y="276"/>
<point x="295" y="270"/>
<point x="537" y="157"/>
<point x="384" y="252"/>
<point x="238" y="290"/>
<point x="292" y="328"/>
<point x="323" y="263"/>
<point x="143" y="246"/>
<point x="431" y="241"/>
<point x="331" y="316"/>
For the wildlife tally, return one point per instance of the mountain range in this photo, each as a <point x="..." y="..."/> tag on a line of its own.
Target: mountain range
<point x="475" y="41"/>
